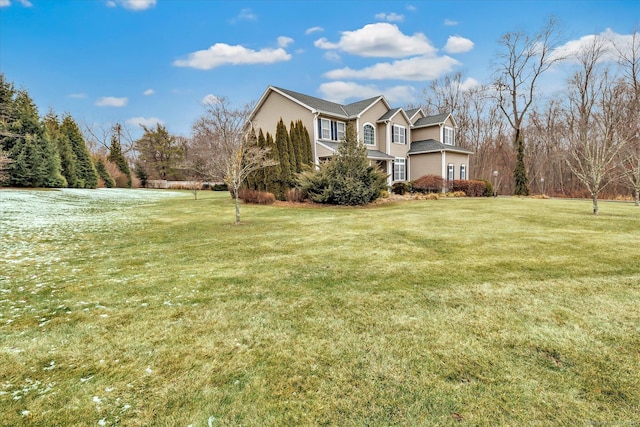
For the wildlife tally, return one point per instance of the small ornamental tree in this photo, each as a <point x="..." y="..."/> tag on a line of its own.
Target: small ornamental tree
<point x="116" y="156"/>
<point x="347" y="178"/>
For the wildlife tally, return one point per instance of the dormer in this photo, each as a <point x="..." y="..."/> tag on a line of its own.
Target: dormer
<point x="441" y="127"/>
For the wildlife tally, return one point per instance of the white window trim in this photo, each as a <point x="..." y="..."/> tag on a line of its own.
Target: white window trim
<point x="397" y="162"/>
<point x="322" y="129"/>
<point x="463" y="168"/>
<point x="374" y="134"/>
<point x="451" y="172"/>
<point x="444" y="135"/>
<point x="339" y="132"/>
<point x="403" y="134"/>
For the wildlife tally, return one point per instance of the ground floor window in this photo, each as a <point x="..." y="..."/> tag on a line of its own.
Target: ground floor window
<point x="400" y="169"/>
<point x="463" y="171"/>
<point x="451" y="172"/>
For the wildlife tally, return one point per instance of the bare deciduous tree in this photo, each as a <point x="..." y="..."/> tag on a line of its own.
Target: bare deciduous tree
<point x="629" y="61"/>
<point x="221" y="147"/>
<point x="595" y="116"/>
<point x="520" y="63"/>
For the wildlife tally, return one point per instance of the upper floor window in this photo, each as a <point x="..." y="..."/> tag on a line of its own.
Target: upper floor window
<point x="399" y="135"/>
<point x="449" y="136"/>
<point x="369" y="135"/>
<point x="341" y="130"/>
<point x="332" y="130"/>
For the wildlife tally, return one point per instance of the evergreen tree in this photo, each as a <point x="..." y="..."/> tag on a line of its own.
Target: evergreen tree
<point x="296" y="143"/>
<point x="117" y="157"/>
<point x="520" y="171"/>
<point x="159" y="153"/>
<point x="67" y="158"/>
<point x="282" y="142"/>
<point x="252" y="178"/>
<point x="101" y="168"/>
<point x="261" y="174"/>
<point x="347" y="178"/>
<point x="305" y="144"/>
<point x="85" y="169"/>
<point x="273" y="173"/>
<point x="34" y="157"/>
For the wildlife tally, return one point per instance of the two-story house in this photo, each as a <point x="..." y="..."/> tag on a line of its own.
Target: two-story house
<point x="404" y="144"/>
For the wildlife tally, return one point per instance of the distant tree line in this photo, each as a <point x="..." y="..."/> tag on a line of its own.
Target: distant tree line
<point x="49" y="151"/>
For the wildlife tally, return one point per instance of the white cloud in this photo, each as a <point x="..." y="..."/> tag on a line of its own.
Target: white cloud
<point x="148" y="92"/>
<point x="415" y="69"/>
<point x="391" y="17"/>
<point x="143" y="121"/>
<point x="314" y="30"/>
<point x="222" y="54"/>
<point x="110" y="101"/>
<point x="77" y="95"/>
<point x="245" y="14"/>
<point x="411" y="8"/>
<point x="332" y="56"/>
<point x="283" y="41"/>
<point x="210" y="99"/>
<point x="341" y="91"/>
<point x="457" y="44"/>
<point x="136" y="5"/>
<point x="450" y="23"/>
<point x="379" y="40"/>
<point x="7" y="3"/>
<point x="611" y="40"/>
<point x="469" y="84"/>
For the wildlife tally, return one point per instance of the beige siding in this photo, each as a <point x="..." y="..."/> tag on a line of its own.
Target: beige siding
<point x="322" y="151"/>
<point x="422" y="134"/>
<point x="371" y="116"/>
<point x="425" y="164"/>
<point x="457" y="159"/>
<point x="400" y="150"/>
<point x="276" y="107"/>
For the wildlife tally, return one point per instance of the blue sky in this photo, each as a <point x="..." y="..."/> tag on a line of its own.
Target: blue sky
<point x="144" y="61"/>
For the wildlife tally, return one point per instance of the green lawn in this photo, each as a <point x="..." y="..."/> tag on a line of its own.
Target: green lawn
<point x="134" y="308"/>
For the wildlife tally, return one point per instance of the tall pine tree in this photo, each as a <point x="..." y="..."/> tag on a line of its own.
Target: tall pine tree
<point x="67" y="158"/>
<point x="273" y="173"/>
<point x="283" y="144"/>
<point x="85" y="169"/>
<point x="117" y="157"/>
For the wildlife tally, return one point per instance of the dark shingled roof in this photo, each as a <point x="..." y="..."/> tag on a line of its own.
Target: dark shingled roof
<point x="389" y="114"/>
<point x="347" y="111"/>
<point x="433" y="146"/>
<point x="431" y="120"/>
<point x="411" y="112"/>
<point x="371" y="154"/>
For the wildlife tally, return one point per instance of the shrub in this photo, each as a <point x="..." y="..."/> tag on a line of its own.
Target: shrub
<point x="347" y="178"/>
<point x="256" y="197"/>
<point x="428" y="184"/>
<point x="471" y="188"/>
<point x="294" y="195"/>
<point x="219" y="187"/>
<point x="399" y="188"/>
<point x="488" y="188"/>
<point x="432" y="196"/>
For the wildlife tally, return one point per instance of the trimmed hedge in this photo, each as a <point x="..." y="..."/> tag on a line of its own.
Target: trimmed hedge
<point x="472" y="187"/>
<point x="428" y="184"/>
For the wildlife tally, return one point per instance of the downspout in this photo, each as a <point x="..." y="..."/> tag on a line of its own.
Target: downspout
<point x="316" y="161"/>
<point x="444" y="171"/>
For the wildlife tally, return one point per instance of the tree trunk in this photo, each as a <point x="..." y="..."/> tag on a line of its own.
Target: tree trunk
<point x="636" y="195"/>
<point x="237" y="208"/>
<point x="594" y="197"/>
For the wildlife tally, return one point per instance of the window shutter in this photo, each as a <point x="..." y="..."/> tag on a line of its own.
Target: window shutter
<point x="319" y="128"/>
<point x="334" y="130"/>
<point x="405" y="135"/>
<point x="393" y="134"/>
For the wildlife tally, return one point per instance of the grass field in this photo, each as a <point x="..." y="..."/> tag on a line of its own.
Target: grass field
<point x="148" y="308"/>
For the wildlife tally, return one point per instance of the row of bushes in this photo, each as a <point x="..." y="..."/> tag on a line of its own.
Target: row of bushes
<point x="435" y="184"/>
